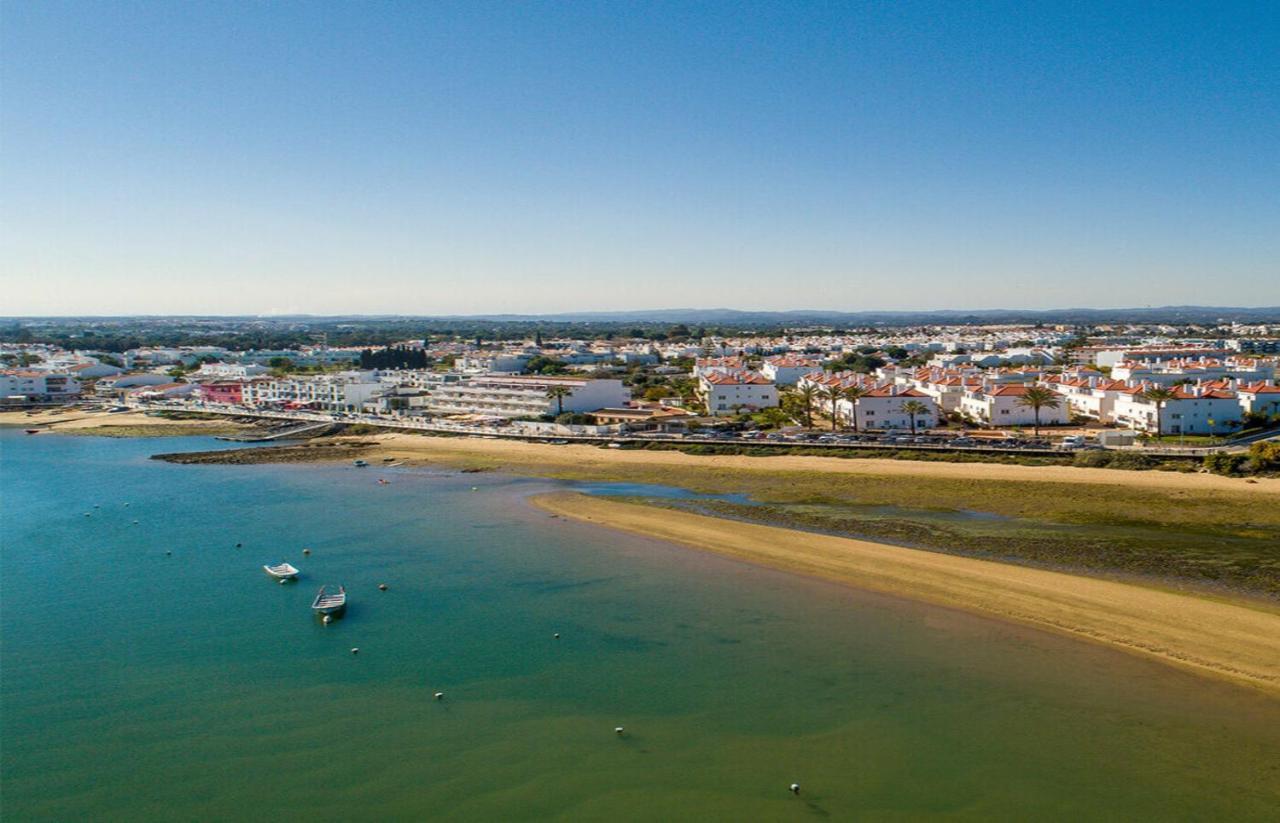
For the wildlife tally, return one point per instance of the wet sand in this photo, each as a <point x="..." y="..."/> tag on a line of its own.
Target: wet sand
<point x="410" y="446"/>
<point x="124" y="424"/>
<point x="1239" y="641"/>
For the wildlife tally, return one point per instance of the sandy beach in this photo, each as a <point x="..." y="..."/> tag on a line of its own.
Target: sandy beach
<point x="124" y="424"/>
<point x="1234" y="640"/>
<point x="511" y="453"/>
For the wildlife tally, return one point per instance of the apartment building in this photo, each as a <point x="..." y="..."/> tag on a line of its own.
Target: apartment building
<point x="342" y="392"/>
<point x="19" y="385"/>
<point x="787" y="369"/>
<point x="513" y="396"/>
<point x="732" y="392"/>
<point x="228" y="371"/>
<point x="1192" y="410"/>
<point x="882" y="408"/>
<point x="1259" y="398"/>
<point x="1002" y="405"/>
<point x="1168" y="372"/>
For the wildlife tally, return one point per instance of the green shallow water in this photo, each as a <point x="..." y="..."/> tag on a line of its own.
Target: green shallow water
<point x="138" y="685"/>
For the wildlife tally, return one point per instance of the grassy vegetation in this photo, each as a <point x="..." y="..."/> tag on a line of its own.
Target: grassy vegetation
<point x="1240" y="559"/>
<point x="1210" y="535"/>
<point x="187" y="415"/>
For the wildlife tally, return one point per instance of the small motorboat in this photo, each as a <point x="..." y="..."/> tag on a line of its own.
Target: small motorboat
<point x="32" y="431"/>
<point x="328" y="603"/>
<point x="281" y="571"/>
<point x="360" y="464"/>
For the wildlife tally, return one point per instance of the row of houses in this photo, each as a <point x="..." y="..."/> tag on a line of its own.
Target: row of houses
<point x="494" y="395"/>
<point x="1206" y="407"/>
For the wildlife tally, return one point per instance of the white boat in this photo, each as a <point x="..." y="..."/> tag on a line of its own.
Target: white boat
<point x="327" y="603"/>
<point x="281" y="571"/>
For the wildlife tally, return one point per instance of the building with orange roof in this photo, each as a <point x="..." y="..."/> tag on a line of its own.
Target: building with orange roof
<point x="727" y="392"/>
<point x="995" y="404"/>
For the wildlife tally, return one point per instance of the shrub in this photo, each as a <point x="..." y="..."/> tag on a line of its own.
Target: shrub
<point x="1132" y="460"/>
<point x="1265" y="455"/>
<point x="1092" y="460"/>
<point x="1223" y="463"/>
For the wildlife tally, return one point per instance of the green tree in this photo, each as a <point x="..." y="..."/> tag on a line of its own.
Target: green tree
<point x="558" y="394"/>
<point x="807" y="394"/>
<point x="1037" y="398"/>
<point x="832" y="395"/>
<point x="911" y="408"/>
<point x="852" y="394"/>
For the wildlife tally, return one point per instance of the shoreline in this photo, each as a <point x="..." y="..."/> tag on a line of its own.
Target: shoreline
<point x="122" y="424"/>
<point x="1225" y="639"/>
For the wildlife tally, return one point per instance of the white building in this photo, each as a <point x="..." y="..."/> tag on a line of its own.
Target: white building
<point x="228" y="371"/>
<point x="22" y="384"/>
<point x="92" y="370"/>
<point x="525" y="396"/>
<point x="341" y="392"/>
<point x="1193" y="410"/>
<point x="1093" y="397"/>
<point x="882" y="408"/>
<point x="1002" y="405"/>
<point x="733" y="392"/>
<point x="493" y="362"/>
<point x="164" y="391"/>
<point x="1259" y="398"/>
<point x="787" y="369"/>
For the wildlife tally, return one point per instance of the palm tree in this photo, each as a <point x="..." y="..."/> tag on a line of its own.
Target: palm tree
<point x="911" y="408"/>
<point x="852" y="393"/>
<point x="1037" y="398"/>
<point x="1159" y="395"/>
<point x="558" y="394"/>
<point x="807" y="393"/>
<point x="831" y="393"/>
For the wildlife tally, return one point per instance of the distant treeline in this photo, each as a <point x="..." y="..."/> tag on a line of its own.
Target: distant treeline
<point x="394" y="357"/>
<point x="241" y="334"/>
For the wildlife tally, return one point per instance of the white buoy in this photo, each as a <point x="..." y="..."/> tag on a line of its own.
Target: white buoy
<point x="795" y="788"/>
<point x="135" y="522"/>
<point x="284" y="580"/>
<point x="168" y="552"/>
<point x="473" y="488"/>
<point x="439" y="695"/>
<point x="355" y="650"/>
<point x="328" y="618"/>
<point x="97" y="505"/>
<point x="126" y="505"/>
<point x="307" y="552"/>
<point x="557" y="635"/>
<point x="618" y="730"/>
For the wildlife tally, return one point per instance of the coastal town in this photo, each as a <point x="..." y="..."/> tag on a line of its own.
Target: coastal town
<point x="961" y="387"/>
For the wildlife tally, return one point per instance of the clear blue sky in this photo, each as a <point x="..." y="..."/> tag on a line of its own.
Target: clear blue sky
<point x="526" y="157"/>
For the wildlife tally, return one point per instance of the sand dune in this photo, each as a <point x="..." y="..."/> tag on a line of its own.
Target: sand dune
<point x="1239" y="641"/>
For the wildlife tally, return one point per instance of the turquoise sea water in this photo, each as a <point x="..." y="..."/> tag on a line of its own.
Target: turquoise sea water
<point x="139" y="685"/>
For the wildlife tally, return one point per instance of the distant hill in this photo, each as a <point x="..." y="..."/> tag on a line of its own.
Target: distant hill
<point x="731" y="318"/>
<point x="734" y="317"/>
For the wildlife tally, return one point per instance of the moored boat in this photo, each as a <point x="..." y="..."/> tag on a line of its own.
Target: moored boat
<point x="32" y="431"/>
<point x="281" y="571"/>
<point x="328" y="602"/>
<point x="360" y="464"/>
